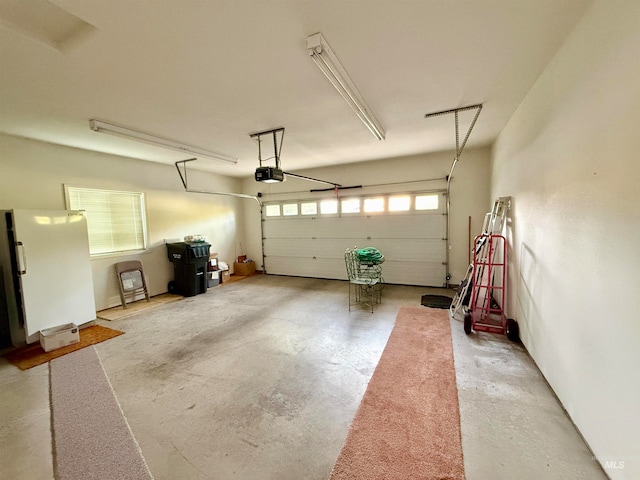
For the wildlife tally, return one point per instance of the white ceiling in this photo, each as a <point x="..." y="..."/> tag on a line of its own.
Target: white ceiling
<point x="210" y="72"/>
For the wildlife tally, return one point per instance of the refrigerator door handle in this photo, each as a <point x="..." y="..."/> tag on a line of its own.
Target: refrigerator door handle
<point x="22" y="269"/>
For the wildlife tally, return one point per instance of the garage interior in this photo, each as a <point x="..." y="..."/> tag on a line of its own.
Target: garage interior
<point x="261" y="378"/>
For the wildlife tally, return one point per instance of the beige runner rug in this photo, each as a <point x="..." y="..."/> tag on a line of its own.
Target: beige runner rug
<point x="91" y="437"/>
<point x="408" y="424"/>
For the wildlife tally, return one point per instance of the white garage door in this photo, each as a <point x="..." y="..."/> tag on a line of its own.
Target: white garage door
<point x="307" y="238"/>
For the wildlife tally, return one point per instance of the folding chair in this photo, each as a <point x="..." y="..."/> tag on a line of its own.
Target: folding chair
<point x="131" y="280"/>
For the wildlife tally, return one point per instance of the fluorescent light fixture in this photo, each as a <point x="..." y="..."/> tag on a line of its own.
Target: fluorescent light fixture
<point x="329" y="64"/>
<point x="109" y="128"/>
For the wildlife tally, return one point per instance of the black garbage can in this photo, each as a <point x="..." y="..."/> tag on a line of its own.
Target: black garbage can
<point x="189" y="267"/>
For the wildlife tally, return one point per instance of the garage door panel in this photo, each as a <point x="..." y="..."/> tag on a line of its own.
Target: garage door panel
<point x="282" y="228"/>
<point x="306" y="267"/>
<point x="318" y="227"/>
<point x="416" y="226"/>
<point x="290" y="228"/>
<point x="420" y="250"/>
<point x="309" y="228"/>
<point x="414" y="273"/>
<point x="400" y="273"/>
<point x="322" y="248"/>
<point x="393" y="226"/>
<point x="387" y="226"/>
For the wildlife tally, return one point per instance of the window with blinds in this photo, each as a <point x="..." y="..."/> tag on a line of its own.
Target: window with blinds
<point x="115" y="220"/>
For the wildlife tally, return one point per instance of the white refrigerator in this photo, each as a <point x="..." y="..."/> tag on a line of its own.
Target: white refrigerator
<point x="46" y="268"/>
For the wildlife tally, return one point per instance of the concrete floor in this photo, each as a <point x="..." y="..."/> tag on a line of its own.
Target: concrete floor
<point x="260" y="379"/>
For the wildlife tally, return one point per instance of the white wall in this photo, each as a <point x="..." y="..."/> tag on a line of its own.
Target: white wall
<point x="469" y="193"/>
<point x="33" y="175"/>
<point x="570" y="157"/>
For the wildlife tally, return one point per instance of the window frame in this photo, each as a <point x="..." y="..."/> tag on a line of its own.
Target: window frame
<point x="309" y="215"/>
<point x="290" y="204"/>
<point x="343" y="201"/>
<point x="390" y="199"/>
<point x="266" y="210"/>
<point x="415" y="202"/>
<point x="70" y="190"/>
<point x="328" y="200"/>
<point x="378" y="198"/>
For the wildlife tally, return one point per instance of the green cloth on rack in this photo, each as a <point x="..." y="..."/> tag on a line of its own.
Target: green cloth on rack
<point x="370" y="256"/>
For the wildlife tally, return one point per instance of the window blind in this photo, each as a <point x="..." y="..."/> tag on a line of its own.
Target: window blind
<point x="115" y="220"/>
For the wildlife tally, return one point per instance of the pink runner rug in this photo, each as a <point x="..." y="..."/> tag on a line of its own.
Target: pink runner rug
<point x="408" y="424"/>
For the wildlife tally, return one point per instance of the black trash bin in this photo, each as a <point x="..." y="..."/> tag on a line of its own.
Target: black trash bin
<point x="189" y="267"/>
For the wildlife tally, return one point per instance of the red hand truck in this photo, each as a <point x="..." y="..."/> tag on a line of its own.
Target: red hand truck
<point x="486" y="310"/>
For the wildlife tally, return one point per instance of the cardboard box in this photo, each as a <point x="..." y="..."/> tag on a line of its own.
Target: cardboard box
<point x="58" y="337"/>
<point x="245" y="268"/>
<point x="224" y="276"/>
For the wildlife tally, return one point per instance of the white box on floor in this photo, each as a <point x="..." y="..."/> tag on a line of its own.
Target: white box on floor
<point x="58" y="337"/>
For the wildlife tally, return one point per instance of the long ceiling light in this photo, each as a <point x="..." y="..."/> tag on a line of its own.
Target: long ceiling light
<point x="118" y="131"/>
<point x="329" y="64"/>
